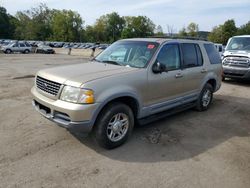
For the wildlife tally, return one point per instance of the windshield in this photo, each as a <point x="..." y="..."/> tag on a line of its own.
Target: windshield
<point x="239" y="43"/>
<point x="128" y="53"/>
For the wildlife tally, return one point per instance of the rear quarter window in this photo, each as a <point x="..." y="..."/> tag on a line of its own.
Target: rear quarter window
<point x="213" y="55"/>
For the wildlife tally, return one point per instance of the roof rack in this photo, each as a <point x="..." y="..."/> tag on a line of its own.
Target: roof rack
<point x="189" y="38"/>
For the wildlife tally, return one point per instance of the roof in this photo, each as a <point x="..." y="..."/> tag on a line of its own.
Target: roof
<point x="163" y="40"/>
<point x="242" y="36"/>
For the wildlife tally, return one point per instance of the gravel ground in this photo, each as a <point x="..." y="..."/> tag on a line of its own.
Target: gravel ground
<point x="190" y="149"/>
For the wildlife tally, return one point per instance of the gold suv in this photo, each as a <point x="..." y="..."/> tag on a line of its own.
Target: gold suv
<point x="133" y="80"/>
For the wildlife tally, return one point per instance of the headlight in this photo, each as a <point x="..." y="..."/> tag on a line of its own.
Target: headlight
<point x="77" y="95"/>
<point x="222" y="57"/>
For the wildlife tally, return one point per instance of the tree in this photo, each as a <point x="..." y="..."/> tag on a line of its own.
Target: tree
<point x="222" y="33"/>
<point x="170" y="30"/>
<point x="159" y="30"/>
<point x="7" y="27"/>
<point x="34" y="23"/>
<point x="244" y="29"/>
<point x="114" y="26"/>
<point x="109" y="27"/>
<point x="24" y="30"/>
<point x="66" y="25"/>
<point x="41" y="22"/>
<point x="140" y="26"/>
<point x="193" y="29"/>
<point x="182" y="32"/>
<point x="216" y="34"/>
<point x="228" y="30"/>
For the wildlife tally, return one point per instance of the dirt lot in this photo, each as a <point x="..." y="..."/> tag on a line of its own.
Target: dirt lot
<point x="190" y="149"/>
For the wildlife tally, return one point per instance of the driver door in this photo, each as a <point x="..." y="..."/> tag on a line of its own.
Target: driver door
<point x="165" y="88"/>
<point x="15" y="47"/>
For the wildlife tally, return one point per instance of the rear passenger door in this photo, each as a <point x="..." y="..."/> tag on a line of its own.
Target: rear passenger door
<point x="22" y="47"/>
<point x="192" y="67"/>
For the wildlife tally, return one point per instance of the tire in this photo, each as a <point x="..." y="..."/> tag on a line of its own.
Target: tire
<point x="205" y="98"/>
<point x="8" y="51"/>
<point x="26" y="51"/>
<point x="114" y="125"/>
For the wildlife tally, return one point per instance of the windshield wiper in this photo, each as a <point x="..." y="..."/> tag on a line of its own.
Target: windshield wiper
<point x="111" y="62"/>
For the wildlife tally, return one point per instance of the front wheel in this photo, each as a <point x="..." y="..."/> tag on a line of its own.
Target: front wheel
<point x="8" y="51"/>
<point x="205" y="98"/>
<point x="26" y="51"/>
<point x="114" y="125"/>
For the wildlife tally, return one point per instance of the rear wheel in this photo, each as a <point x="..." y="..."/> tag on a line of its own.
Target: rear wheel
<point x="205" y="98"/>
<point x="114" y="125"/>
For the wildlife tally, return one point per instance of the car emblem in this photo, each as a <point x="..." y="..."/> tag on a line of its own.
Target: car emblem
<point x="45" y="85"/>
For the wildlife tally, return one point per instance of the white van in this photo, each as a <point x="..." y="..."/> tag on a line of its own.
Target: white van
<point x="236" y="58"/>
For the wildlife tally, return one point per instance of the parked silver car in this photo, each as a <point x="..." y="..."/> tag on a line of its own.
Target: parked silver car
<point x="20" y="47"/>
<point x="45" y="49"/>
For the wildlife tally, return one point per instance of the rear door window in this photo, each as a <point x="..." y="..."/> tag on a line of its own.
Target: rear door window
<point x="192" y="56"/>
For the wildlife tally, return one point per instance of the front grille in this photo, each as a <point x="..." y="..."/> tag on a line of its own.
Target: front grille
<point x="47" y="85"/>
<point x="237" y="62"/>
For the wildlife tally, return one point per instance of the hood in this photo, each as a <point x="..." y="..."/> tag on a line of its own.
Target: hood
<point x="242" y="53"/>
<point x="78" y="74"/>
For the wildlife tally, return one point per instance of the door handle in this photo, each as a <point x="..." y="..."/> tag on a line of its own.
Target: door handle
<point x="178" y="75"/>
<point x="203" y="70"/>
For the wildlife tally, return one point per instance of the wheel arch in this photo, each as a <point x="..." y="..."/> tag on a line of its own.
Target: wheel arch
<point x="213" y="83"/>
<point x="127" y="99"/>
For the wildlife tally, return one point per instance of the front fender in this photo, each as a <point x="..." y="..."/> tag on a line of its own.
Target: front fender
<point x="114" y="93"/>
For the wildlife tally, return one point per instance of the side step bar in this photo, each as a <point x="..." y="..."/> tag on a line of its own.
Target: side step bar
<point x="165" y="114"/>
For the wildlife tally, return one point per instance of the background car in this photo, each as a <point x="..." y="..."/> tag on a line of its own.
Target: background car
<point x="21" y="47"/>
<point x="45" y="49"/>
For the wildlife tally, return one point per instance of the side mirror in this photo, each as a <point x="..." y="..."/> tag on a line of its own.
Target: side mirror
<point x="158" y="67"/>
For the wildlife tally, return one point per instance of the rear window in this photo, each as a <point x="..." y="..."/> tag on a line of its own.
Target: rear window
<point x="213" y="55"/>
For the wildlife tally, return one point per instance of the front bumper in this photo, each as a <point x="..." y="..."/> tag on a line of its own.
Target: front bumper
<point x="236" y="72"/>
<point x="75" y="117"/>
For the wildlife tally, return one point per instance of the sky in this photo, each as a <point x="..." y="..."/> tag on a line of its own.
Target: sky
<point x="173" y="13"/>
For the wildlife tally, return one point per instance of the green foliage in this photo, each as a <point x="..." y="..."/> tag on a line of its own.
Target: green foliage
<point x="221" y="33"/>
<point x="7" y="27"/>
<point x="183" y="32"/>
<point x="244" y="29"/>
<point x="159" y="31"/>
<point x="66" y="25"/>
<point x="140" y="26"/>
<point x="34" y="24"/>
<point x="216" y="35"/>
<point x="108" y="27"/>
<point x="228" y="30"/>
<point x="191" y="30"/>
<point x="114" y="25"/>
<point x="42" y="23"/>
